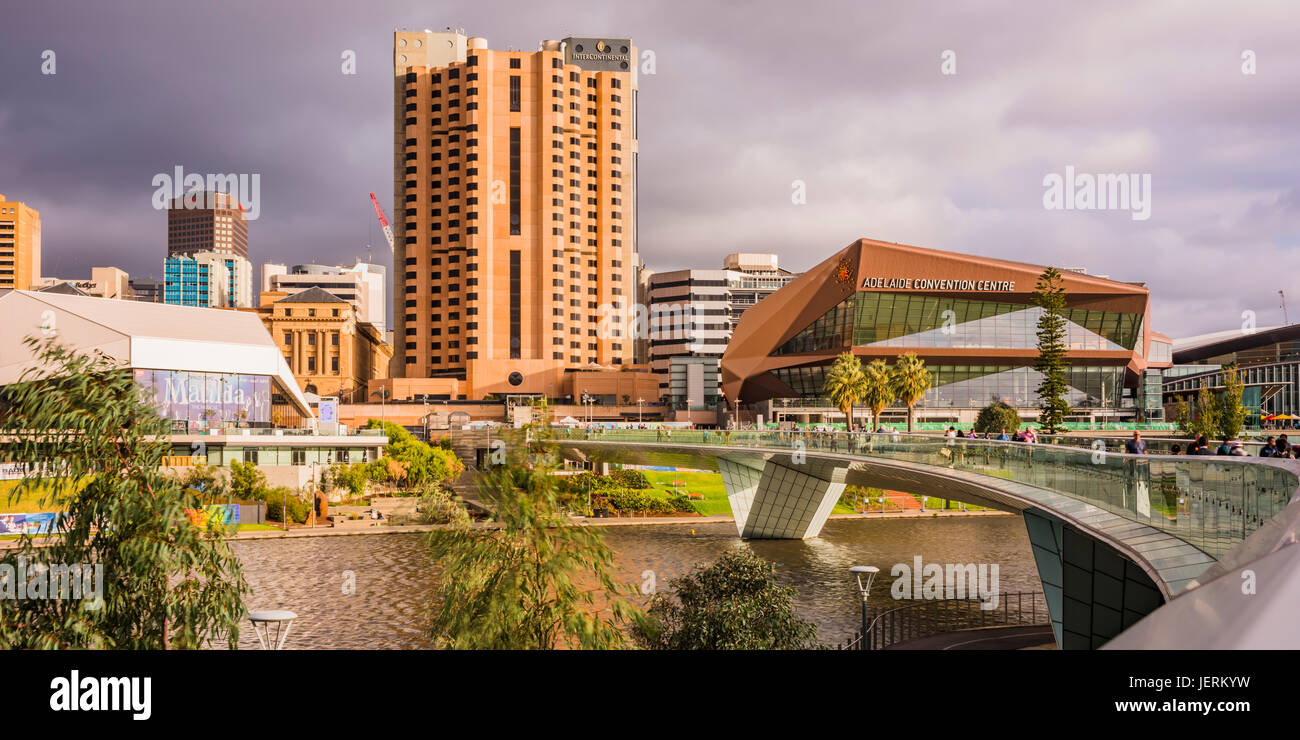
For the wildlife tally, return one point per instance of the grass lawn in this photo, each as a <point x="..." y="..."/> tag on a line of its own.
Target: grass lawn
<point x="258" y="527"/>
<point x="708" y="484"/>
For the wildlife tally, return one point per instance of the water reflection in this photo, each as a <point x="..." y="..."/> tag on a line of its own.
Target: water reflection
<point x="393" y="574"/>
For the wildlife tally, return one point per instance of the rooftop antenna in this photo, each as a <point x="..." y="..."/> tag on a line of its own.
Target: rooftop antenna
<point x="1285" y="321"/>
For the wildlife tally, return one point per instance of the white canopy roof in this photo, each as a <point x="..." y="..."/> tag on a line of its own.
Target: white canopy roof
<point x="145" y="335"/>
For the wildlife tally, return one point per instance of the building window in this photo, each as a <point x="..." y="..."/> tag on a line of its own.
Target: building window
<point x="516" y="309"/>
<point x="311" y="364"/>
<point x="515" y="93"/>
<point x="516" y="187"/>
<point x="334" y="365"/>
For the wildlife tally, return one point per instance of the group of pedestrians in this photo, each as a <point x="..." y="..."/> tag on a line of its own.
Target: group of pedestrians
<point x="1279" y="447"/>
<point x="1026" y="435"/>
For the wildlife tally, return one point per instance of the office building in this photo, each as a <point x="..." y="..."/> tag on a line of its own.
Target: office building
<point x="207" y="279"/>
<point x="147" y="289"/>
<point x="971" y="320"/>
<point x="514" y="197"/>
<point x="692" y="314"/>
<point x="364" y="285"/>
<point x="204" y="221"/>
<point x="20" y="245"/>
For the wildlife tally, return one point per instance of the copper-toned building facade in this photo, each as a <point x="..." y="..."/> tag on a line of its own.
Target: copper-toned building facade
<point x="514" y="194"/>
<point x="206" y="222"/>
<point x="970" y="318"/>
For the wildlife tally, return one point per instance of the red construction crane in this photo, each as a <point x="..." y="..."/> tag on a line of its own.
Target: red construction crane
<point x="388" y="230"/>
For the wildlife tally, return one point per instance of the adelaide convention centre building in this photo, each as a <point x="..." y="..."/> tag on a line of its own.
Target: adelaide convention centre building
<point x="971" y="319"/>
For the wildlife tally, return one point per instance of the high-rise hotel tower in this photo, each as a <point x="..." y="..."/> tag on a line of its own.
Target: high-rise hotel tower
<point x="514" y="191"/>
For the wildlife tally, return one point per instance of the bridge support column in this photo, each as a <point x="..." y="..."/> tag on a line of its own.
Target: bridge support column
<point x="780" y="502"/>
<point x="1093" y="592"/>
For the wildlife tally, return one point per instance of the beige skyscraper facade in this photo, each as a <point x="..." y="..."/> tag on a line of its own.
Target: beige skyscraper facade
<point x="514" y="189"/>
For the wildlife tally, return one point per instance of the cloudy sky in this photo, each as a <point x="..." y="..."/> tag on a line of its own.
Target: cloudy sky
<point x="849" y="98"/>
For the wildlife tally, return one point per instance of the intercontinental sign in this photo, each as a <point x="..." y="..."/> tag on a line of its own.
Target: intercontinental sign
<point x="599" y="55"/>
<point x="986" y="286"/>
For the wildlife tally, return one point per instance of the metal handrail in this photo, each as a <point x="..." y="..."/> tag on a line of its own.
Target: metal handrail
<point x="890" y="627"/>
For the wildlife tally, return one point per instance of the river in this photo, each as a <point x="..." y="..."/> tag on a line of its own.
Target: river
<point x="392" y="575"/>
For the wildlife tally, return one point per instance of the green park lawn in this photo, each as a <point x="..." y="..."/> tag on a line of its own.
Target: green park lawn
<point x="709" y="485"/>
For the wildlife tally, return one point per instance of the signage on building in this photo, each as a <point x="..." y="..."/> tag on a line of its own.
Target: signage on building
<point x="985" y="286"/>
<point x="599" y="55"/>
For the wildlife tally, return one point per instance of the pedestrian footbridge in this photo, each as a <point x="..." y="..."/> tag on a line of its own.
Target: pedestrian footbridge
<point x="1114" y="536"/>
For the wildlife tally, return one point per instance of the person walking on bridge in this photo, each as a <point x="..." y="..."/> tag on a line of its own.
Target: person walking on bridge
<point x="1137" y="445"/>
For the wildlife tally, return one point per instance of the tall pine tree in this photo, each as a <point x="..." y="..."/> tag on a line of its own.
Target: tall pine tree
<point x="1049" y="295"/>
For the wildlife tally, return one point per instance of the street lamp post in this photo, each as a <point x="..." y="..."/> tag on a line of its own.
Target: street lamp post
<point x="639" y="403"/>
<point x="869" y="573"/>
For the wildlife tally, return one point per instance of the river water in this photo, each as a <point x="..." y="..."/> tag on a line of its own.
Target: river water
<point x="392" y="576"/>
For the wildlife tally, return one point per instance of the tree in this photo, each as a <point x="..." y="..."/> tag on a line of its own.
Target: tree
<point x="1181" y="416"/>
<point x="734" y="604"/>
<point x="1232" y="415"/>
<point x="1205" y="413"/>
<point x="879" y="390"/>
<point x="1049" y="295"/>
<point x="92" y="446"/>
<point x="995" y="417"/>
<point x="247" y="482"/>
<point x="845" y="384"/>
<point x="532" y="583"/>
<point x="417" y="463"/>
<point x="911" y="381"/>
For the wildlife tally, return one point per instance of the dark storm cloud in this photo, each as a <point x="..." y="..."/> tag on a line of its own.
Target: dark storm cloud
<point x="846" y="97"/>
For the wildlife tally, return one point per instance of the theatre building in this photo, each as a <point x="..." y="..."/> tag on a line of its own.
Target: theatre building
<point x="216" y="376"/>
<point x="971" y="319"/>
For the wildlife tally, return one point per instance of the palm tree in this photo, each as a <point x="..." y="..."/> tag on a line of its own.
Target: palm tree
<point x="880" y="389"/>
<point x="845" y="384"/>
<point x="911" y="381"/>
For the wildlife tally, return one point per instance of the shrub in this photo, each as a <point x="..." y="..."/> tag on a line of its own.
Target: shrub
<point x="280" y="499"/>
<point x="626" y="500"/>
<point x="682" y="502"/>
<point x="634" y="479"/>
<point x="995" y="417"/>
<point x="438" y="507"/>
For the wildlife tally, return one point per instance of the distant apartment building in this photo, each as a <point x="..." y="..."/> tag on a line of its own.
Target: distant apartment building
<point x="104" y="282"/>
<point x="691" y="316"/>
<point x="207" y="279"/>
<point x="20" y="245"/>
<point x="364" y="285"/>
<point x="514" y="196"/>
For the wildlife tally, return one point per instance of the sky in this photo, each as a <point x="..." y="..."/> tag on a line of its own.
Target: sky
<point x="792" y="128"/>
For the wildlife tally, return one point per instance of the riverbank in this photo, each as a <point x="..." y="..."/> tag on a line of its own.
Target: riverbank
<point x="625" y="521"/>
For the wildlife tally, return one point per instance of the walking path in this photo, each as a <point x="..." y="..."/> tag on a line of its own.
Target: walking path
<point x="1015" y="637"/>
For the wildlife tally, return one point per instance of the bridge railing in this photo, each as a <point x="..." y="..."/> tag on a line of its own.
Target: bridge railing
<point x="1211" y="502"/>
<point x="889" y="626"/>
